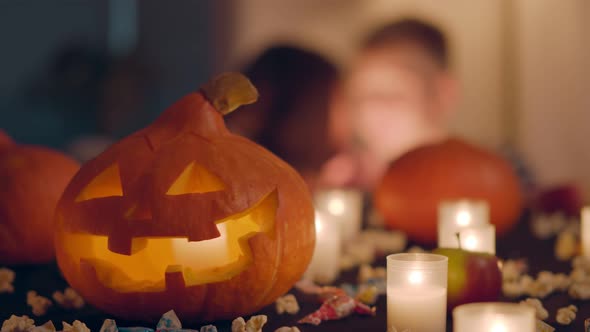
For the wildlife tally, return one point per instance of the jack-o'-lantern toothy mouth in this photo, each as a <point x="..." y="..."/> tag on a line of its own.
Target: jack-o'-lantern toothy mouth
<point x="200" y="262"/>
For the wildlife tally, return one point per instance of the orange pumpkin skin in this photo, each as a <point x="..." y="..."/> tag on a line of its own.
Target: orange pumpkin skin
<point x="32" y="179"/>
<point x="149" y="160"/>
<point x="409" y="193"/>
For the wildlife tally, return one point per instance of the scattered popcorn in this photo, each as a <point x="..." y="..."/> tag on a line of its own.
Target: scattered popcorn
<point x="288" y="304"/>
<point x="255" y="323"/>
<point x="579" y="275"/>
<point x="561" y="281"/>
<point x="18" y="324"/>
<point x="566" y="315"/>
<point x="512" y="289"/>
<point x="109" y="325"/>
<point x="238" y="325"/>
<point x="580" y="290"/>
<point x="416" y="250"/>
<point x="539" y="289"/>
<point x="77" y="326"/>
<point x="39" y="304"/>
<point x="566" y="246"/>
<point x="287" y="329"/>
<point x="545" y="226"/>
<point x="6" y="280"/>
<point x="361" y="252"/>
<point x="513" y="269"/>
<point x="536" y="304"/>
<point x="69" y="299"/>
<point x="47" y="327"/>
<point x="541" y="326"/>
<point x="366" y="272"/>
<point x="208" y="328"/>
<point x="587" y="325"/>
<point x="169" y="320"/>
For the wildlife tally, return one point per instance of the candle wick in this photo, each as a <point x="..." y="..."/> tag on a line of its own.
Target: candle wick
<point x="458" y="235"/>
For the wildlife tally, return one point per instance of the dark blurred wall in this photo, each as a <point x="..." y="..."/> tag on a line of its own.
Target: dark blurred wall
<point x="174" y="45"/>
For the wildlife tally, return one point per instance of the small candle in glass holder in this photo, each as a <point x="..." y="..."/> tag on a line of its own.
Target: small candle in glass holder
<point x="417" y="292"/>
<point x="479" y="239"/>
<point x="493" y="317"/>
<point x="345" y="205"/>
<point x="456" y="215"/>
<point x="325" y="263"/>
<point x="585" y="231"/>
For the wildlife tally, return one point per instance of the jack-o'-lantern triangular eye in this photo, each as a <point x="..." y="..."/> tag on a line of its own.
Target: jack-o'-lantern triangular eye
<point x="105" y="184"/>
<point x="195" y="179"/>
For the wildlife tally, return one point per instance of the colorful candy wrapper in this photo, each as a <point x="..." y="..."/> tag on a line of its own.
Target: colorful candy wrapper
<point x="47" y="327"/>
<point x="208" y="328"/>
<point x="135" y="329"/>
<point x="349" y="289"/>
<point x="367" y="294"/>
<point x="169" y="320"/>
<point x="337" y="307"/>
<point x="380" y="283"/>
<point x="541" y="326"/>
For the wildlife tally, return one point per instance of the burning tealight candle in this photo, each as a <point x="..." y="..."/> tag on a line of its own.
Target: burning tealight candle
<point x="585" y="230"/>
<point x="417" y="292"/>
<point x="324" y="266"/>
<point x="456" y="215"/>
<point x="346" y="206"/>
<point x="479" y="238"/>
<point x="493" y="317"/>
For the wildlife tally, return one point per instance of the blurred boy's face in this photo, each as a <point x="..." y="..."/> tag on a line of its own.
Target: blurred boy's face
<point x="396" y="100"/>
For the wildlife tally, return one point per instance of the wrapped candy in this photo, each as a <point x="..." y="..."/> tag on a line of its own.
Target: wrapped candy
<point x="135" y="329"/>
<point x="208" y="328"/>
<point x="337" y="307"/>
<point x="169" y="320"/>
<point x="367" y="294"/>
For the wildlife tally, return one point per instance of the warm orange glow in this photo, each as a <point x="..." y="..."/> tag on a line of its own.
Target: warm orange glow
<point x="106" y="184"/>
<point x="195" y="179"/>
<point x="201" y="262"/>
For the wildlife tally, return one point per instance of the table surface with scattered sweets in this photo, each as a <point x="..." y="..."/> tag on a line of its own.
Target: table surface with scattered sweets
<point x="519" y="243"/>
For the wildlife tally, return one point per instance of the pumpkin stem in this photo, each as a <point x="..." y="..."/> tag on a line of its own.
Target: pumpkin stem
<point x="229" y="91"/>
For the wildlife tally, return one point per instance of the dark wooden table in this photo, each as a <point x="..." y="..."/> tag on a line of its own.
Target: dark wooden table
<point x="519" y="243"/>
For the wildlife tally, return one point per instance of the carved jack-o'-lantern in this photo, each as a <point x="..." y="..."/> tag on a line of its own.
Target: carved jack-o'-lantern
<point x="184" y="215"/>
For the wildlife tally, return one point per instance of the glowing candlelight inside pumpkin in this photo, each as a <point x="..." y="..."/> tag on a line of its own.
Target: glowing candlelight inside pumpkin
<point x="493" y="317"/>
<point x="345" y="206"/>
<point x="453" y="216"/>
<point x="324" y="266"/>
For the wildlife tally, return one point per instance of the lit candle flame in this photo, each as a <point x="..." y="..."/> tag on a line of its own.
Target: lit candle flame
<point x="498" y="327"/>
<point x="415" y="277"/>
<point x="463" y="218"/>
<point x="470" y="242"/>
<point x="336" y="206"/>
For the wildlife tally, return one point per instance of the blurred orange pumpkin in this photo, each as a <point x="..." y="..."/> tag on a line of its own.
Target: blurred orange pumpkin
<point x="185" y="215"/>
<point x="409" y="193"/>
<point x="32" y="179"/>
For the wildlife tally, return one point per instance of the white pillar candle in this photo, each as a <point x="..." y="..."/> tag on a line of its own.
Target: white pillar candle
<point x="493" y="317"/>
<point x="456" y="215"/>
<point x="346" y="206"/>
<point x="325" y="263"/>
<point x="585" y="230"/>
<point x="417" y="292"/>
<point x="479" y="239"/>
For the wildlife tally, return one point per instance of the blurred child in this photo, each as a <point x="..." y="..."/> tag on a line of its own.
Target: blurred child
<point x="291" y="116"/>
<point x="398" y="95"/>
